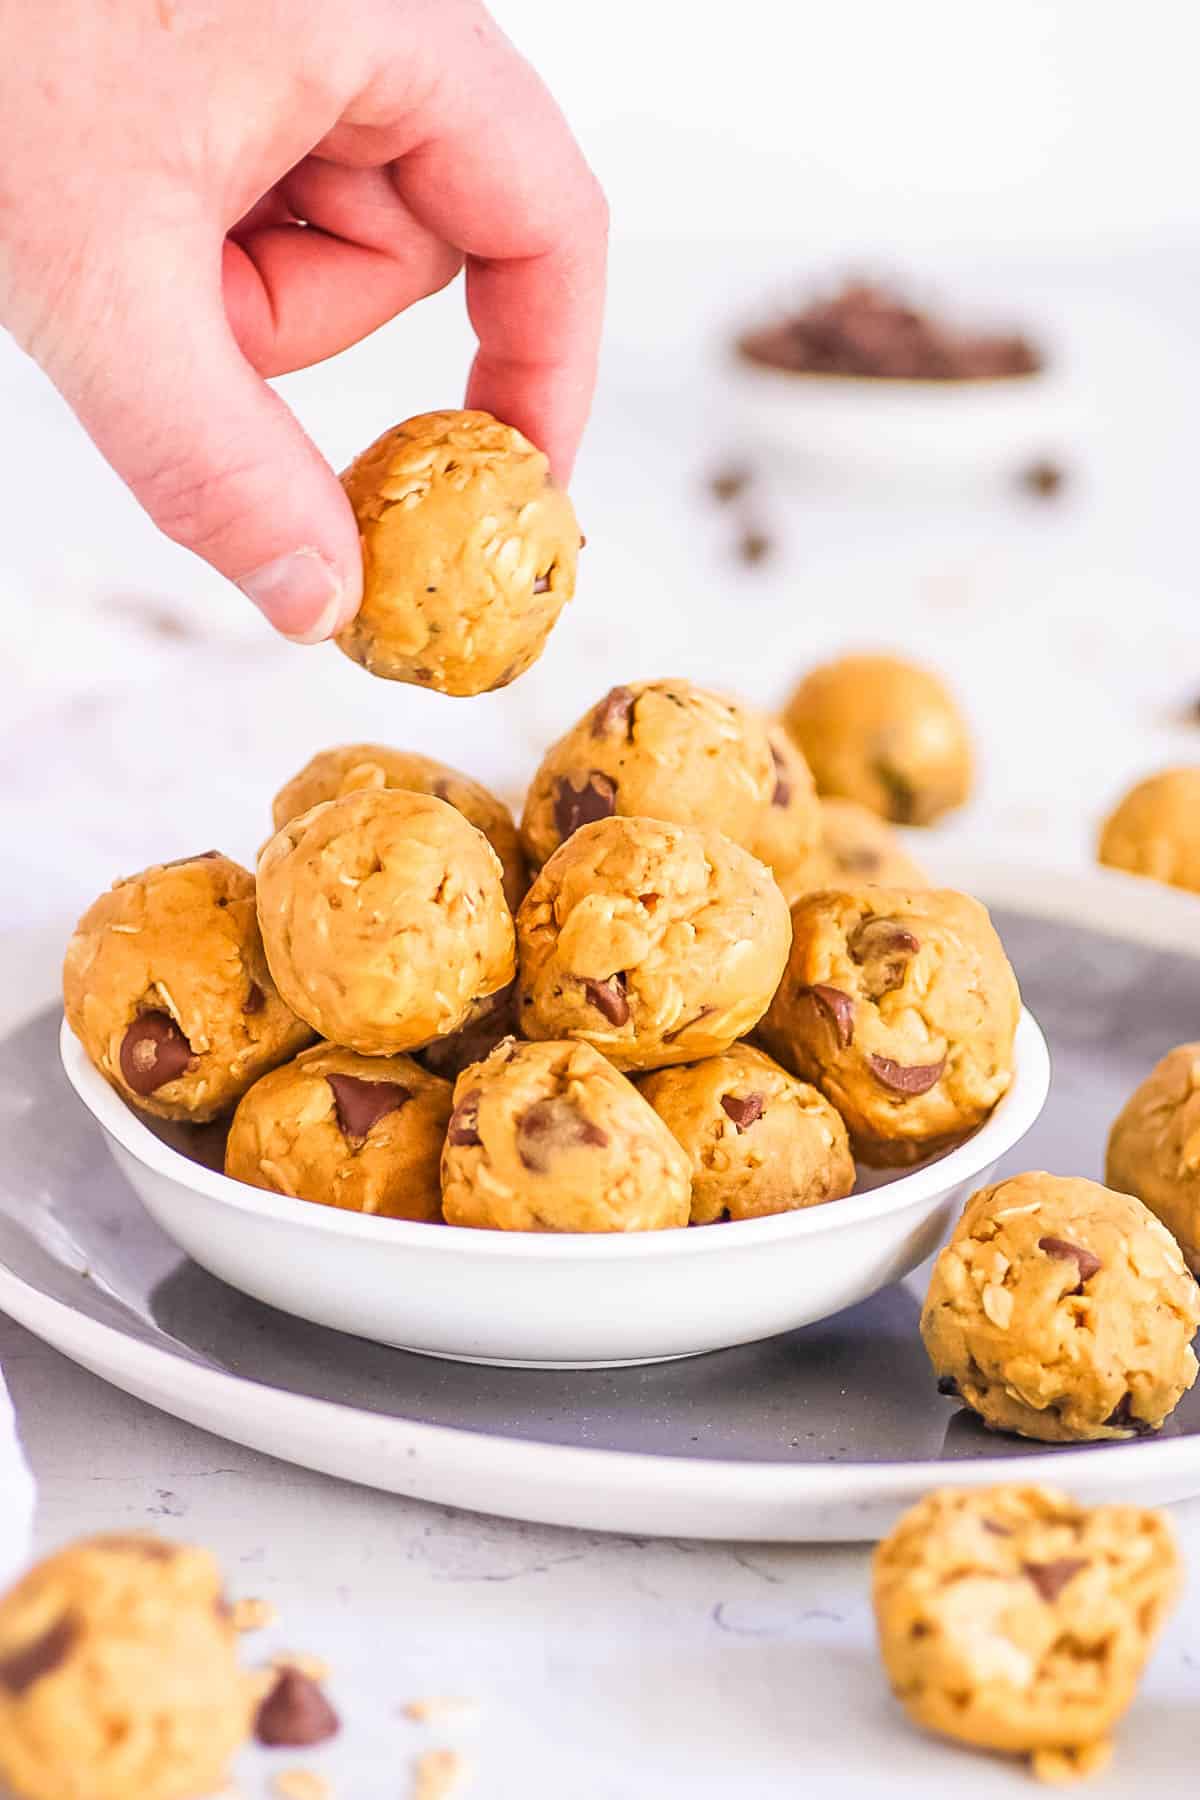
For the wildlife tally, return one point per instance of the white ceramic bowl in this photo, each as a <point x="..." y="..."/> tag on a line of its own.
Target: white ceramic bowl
<point x="557" y="1301"/>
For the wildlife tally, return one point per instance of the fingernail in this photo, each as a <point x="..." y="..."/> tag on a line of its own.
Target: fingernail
<point x="300" y="593"/>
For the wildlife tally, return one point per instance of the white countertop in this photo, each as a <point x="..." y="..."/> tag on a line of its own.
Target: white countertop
<point x="147" y="713"/>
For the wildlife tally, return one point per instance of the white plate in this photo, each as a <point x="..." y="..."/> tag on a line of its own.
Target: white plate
<point x="544" y="1300"/>
<point x="824" y="1433"/>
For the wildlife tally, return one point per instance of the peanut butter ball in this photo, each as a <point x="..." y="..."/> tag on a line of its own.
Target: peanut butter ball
<point x="549" y="1137"/>
<point x="656" y="750"/>
<point x="350" y="768"/>
<point x="1154" y="1147"/>
<point x="1062" y="1311"/>
<point x="902" y="1008"/>
<point x="1155" y="830"/>
<point x="166" y="986"/>
<point x="657" y="943"/>
<point x="759" y="1141"/>
<point x="469" y="553"/>
<point x="363" y="1133"/>
<point x="886" y="733"/>
<point x="384" y="919"/>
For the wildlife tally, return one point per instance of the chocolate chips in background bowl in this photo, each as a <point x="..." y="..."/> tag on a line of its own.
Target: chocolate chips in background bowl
<point x="871" y="377"/>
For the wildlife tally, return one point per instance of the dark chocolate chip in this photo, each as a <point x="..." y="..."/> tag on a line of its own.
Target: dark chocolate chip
<point x="881" y="937"/>
<point x="553" y="1125"/>
<point x="295" y="1713"/>
<point x="728" y="483"/>
<point x="744" y="1111"/>
<point x="1124" y="1419"/>
<point x="21" y="1668"/>
<point x="901" y="796"/>
<point x="573" y="807"/>
<point x="491" y="1019"/>
<point x="783" y="787"/>
<point x="464" y="1120"/>
<point x="255" y="999"/>
<point x="754" y="546"/>
<point x="153" y="1052"/>
<point x="909" y="1082"/>
<point x="614" y="714"/>
<point x="1084" y="1260"/>
<point x="1051" y="1578"/>
<point x="361" y="1104"/>
<point x="837" y="1007"/>
<point x="1043" y="478"/>
<point x="608" y="997"/>
<point x="582" y="541"/>
<point x="670" y="1036"/>
<point x="949" y="1387"/>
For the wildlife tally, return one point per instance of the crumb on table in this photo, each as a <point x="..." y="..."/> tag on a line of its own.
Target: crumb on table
<point x="438" y="1774"/>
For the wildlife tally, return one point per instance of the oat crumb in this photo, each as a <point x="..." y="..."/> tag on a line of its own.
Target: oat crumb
<point x="315" y="1667"/>
<point x="439" y="1774"/>
<point x="450" y="1709"/>
<point x="253" y="1614"/>
<point x="301" y="1784"/>
<point x="1060" y="1768"/>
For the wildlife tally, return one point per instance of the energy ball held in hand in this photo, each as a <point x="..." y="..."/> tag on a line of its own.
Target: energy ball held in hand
<point x="384" y="919"/>
<point x="469" y="553"/>
<point x="166" y="986"/>
<point x="886" y="733"/>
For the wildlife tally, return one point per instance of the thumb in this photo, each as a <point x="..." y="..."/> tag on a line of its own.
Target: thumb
<point x="218" y="461"/>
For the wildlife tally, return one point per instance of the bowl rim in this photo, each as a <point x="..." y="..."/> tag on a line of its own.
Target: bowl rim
<point x="1007" y="1124"/>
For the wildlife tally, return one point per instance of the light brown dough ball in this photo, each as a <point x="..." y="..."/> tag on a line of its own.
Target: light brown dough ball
<point x="384" y="919"/>
<point x="657" y="943"/>
<point x="656" y="750"/>
<point x="469" y="553"/>
<point x="1154" y="1147"/>
<point x="351" y="767"/>
<point x="1062" y="1311"/>
<point x="119" y="1675"/>
<point x="1013" y="1619"/>
<point x="886" y="733"/>
<point x="789" y="831"/>
<point x="166" y="986"/>
<point x="902" y="1007"/>
<point x="854" y="847"/>
<point x="1155" y="831"/>
<point x="759" y="1141"/>
<point x="549" y="1137"/>
<point x="363" y="1133"/>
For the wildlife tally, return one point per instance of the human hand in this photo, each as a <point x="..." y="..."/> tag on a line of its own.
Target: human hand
<point x="157" y="158"/>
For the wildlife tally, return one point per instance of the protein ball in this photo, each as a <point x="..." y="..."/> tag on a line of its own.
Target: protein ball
<point x="1154" y="1147"/>
<point x="1155" y="831"/>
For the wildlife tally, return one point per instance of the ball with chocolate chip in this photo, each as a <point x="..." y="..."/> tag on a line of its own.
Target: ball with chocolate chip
<point x="657" y="943"/>
<point x="1062" y="1311"/>
<point x="657" y="750"/>
<point x="860" y="846"/>
<point x="759" y="1141"/>
<point x="363" y="1133"/>
<point x="1155" y="831"/>
<point x="789" y="831"/>
<point x="886" y="733"/>
<point x="384" y="919"/>
<point x="1014" y="1619"/>
<point x="902" y="1007"/>
<point x="119" y="1675"/>
<point x="166" y="986"/>
<point x="469" y="553"/>
<point x="351" y="767"/>
<point x="549" y="1137"/>
<point x="1154" y="1147"/>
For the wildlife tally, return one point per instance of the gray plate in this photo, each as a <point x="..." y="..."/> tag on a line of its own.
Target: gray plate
<point x="854" y="1391"/>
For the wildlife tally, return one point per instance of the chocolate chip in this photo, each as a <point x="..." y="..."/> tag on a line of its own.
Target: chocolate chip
<point x="1123" y="1419"/>
<point x="573" y="807"/>
<point x="294" y="1713"/>
<point x="492" y="1018"/>
<point x="949" y="1387"/>
<point x="901" y="796"/>
<point x="837" y="1007"/>
<point x="464" y="1120"/>
<point x="542" y="584"/>
<point x="608" y="997"/>
<point x="360" y="1104"/>
<point x="255" y="999"/>
<point x="670" y="1036"/>
<point x="21" y="1668"/>
<point x="582" y="541"/>
<point x="881" y="937"/>
<point x="898" y="1079"/>
<point x="728" y="483"/>
<point x="783" y="787"/>
<point x="754" y="546"/>
<point x="153" y="1052"/>
<point x="1084" y="1260"/>
<point x="743" y="1111"/>
<point x="1043" y="478"/>
<point x="614" y="713"/>
<point x="1051" y="1578"/>
<point x="553" y="1125"/>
